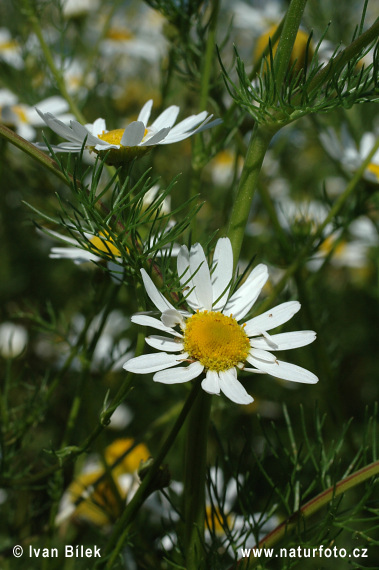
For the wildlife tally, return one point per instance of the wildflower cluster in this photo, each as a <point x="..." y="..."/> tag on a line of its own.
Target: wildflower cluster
<point x="190" y="194"/>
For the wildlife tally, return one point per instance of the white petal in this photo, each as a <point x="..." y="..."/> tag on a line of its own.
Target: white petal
<point x="147" y="321"/>
<point x="157" y="138"/>
<point x="75" y="253"/>
<point x="167" y="118"/>
<point x="26" y="131"/>
<point x="163" y="343"/>
<point x="232" y="388"/>
<point x="222" y="273"/>
<point x="97" y="128"/>
<point x="179" y="375"/>
<point x="272" y="318"/>
<point x="144" y="115"/>
<point x="284" y="341"/>
<point x="57" y="126"/>
<point x="244" y="298"/>
<point x="188" y="123"/>
<point x="153" y="362"/>
<point x="56" y="105"/>
<point x="201" y="277"/>
<point x="133" y="134"/>
<point x="186" y="281"/>
<point x="284" y="370"/>
<point x="211" y="383"/>
<point x="262" y="355"/>
<point x="156" y="296"/>
<point x="172" y="138"/>
<point x="172" y="318"/>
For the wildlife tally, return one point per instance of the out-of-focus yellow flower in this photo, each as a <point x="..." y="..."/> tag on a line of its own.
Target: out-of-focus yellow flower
<point x="98" y="495"/>
<point x="299" y="52"/>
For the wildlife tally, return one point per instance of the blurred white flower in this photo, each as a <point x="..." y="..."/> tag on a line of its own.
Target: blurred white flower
<point x="259" y="17"/>
<point x="350" y="155"/>
<point x="24" y="118"/>
<point x="224" y="166"/>
<point x="73" y="73"/>
<point x="13" y="339"/>
<point x="121" y="418"/>
<point x="10" y="50"/>
<point x="77" y="8"/>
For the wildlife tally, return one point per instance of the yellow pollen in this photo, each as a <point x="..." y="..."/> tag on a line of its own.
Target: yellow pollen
<point x="218" y="342"/>
<point x="374" y="169"/>
<point x="19" y="111"/>
<point x="299" y="49"/>
<point x="216" y="521"/>
<point x="103" y="242"/>
<point x="10" y="45"/>
<point x="119" y="34"/>
<point x="328" y="244"/>
<point x="115" y="136"/>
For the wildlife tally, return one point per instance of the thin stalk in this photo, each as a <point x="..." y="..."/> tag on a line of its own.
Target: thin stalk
<point x="338" y="62"/>
<point x="34" y="152"/>
<point x="258" y="146"/>
<point x="206" y="76"/>
<point x="121" y="530"/>
<point x="312" y="507"/>
<point x="33" y="19"/>
<point x="194" y="482"/>
<point x="287" y="40"/>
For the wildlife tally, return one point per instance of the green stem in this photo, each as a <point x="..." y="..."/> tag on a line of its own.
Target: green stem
<point x="338" y="62"/>
<point x="194" y="482"/>
<point x="33" y="19"/>
<point x="206" y="76"/>
<point x="258" y="146"/>
<point x="121" y="529"/>
<point x="313" y="506"/>
<point x="34" y="152"/>
<point x="287" y="41"/>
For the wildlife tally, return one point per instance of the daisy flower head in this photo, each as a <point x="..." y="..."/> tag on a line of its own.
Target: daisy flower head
<point x="133" y="141"/>
<point x="213" y="338"/>
<point x="25" y="119"/>
<point x="345" y="150"/>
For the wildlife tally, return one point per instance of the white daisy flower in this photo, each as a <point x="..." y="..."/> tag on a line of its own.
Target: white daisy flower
<point x="211" y="340"/>
<point x="10" y="50"/>
<point x="133" y="141"/>
<point x="98" y="247"/>
<point x="24" y="118"/>
<point x="256" y="18"/>
<point x="344" y="150"/>
<point x="78" y="8"/>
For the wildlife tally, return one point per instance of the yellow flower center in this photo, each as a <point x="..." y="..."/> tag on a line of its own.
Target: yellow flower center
<point x="9" y="45"/>
<point x="103" y="242"/>
<point x="298" y="52"/>
<point x="216" y="522"/>
<point x="328" y="244"/>
<point x="119" y="34"/>
<point x="374" y="169"/>
<point x="131" y="461"/>
<point x="97" y="499"/>
<point x="215" y="340"/>
<point x="115" y="136"/>
<point x="19" y="111"/>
